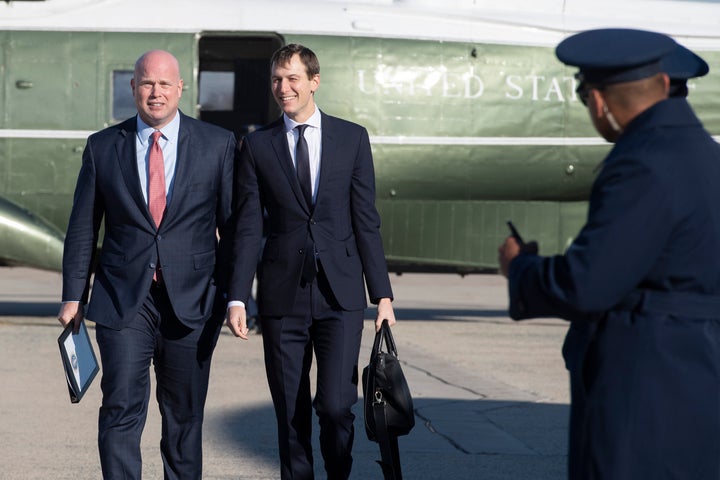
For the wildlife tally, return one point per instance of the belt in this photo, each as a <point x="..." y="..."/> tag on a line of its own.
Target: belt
<point x="685" y="304"/>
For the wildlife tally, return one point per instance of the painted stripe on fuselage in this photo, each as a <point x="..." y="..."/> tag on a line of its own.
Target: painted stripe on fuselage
<point x="487" y="141"/>
<point x="59" y="134"/>
<point x="374" y="139"/>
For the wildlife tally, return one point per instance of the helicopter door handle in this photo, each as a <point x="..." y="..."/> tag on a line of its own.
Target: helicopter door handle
<point x="24" y="84"/>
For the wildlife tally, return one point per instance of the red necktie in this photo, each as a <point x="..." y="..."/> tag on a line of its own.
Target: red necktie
<point x="156" y="180"/>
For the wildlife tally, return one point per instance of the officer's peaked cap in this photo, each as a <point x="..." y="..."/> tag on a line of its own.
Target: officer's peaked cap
<point x="614" y="55"/>
<point x="682" y="64"/>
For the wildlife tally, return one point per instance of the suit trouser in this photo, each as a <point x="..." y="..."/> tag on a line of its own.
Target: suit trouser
<point x="181" y="357"/>
<point x="317" y="324"/>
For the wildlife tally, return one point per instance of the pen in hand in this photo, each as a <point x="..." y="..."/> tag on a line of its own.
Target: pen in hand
<point x="515" y="234"/>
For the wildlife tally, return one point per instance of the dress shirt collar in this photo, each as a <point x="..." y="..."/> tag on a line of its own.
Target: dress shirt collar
<point x="171" y="131"/>
<point x="313" y="121"/>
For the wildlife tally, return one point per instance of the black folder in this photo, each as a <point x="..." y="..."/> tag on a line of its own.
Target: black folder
<point x="78" y="359"/>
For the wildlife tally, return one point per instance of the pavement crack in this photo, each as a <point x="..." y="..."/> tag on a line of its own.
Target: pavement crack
<point x="442" y="380"/>
<point x="428" y="424"/>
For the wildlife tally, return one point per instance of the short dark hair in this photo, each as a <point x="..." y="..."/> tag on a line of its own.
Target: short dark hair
<point x="307" y="57"/>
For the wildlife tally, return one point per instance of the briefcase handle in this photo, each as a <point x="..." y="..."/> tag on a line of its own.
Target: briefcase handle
<point x="389" y="340"/>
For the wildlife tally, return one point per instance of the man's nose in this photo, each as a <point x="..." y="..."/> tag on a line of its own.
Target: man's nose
<point x="155" y="89"/>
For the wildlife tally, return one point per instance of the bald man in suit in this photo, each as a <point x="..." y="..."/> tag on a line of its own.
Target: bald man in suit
<point x="155" y="288"/>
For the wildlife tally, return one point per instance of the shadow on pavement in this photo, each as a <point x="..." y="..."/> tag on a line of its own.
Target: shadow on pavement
<point x="29" y="309"/>
<point x="452" y="439"/>
<point x="42" y="309"/>
<point x="432" y="314"/>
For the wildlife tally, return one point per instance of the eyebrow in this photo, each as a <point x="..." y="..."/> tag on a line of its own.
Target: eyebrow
<point x="163" y="81"/>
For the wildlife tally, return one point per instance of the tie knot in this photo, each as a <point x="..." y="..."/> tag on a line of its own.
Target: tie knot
<point x="156" y="136"/>
<point x="301" y="129"/>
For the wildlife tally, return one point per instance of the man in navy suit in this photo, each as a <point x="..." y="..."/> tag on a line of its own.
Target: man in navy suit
<point x="641" y="282"/>
<point x="323" y="239"/>
<point x="156" y="284"/>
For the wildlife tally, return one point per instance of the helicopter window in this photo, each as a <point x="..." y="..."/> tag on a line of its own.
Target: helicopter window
<point x="217" y="91"/>
<point x="123" y="105"/>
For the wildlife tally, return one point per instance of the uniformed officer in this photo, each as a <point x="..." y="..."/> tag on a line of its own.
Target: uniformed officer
<point x="641" y="282"/>
<point x="682" y="65"/>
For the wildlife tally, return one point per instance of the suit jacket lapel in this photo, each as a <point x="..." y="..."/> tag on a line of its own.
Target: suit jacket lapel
<point x="282" y="152"/>
<point x="185" y="151"/>
<point x="329" y="146"/>
<point x="127" y="160"/>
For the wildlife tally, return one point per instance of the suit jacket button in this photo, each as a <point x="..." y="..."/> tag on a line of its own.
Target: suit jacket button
<point x="312" y="221"/>
<point x="300" y="251"/>
<point x="152" y="266"/>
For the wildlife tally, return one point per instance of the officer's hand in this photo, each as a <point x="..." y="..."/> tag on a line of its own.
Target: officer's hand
<point x="511" y="249"/>
<point x="237" y="321"/>
<point x="71" y="312"/>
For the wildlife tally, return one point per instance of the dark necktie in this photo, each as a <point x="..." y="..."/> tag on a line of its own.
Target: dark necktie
<point x="302" y="158"/>
<point x="156" y="180"/>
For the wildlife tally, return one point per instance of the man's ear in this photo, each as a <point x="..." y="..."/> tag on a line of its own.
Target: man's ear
<point x="316" y="83"/>
<point x="666" y="81"/>
<point x="596" y="103"/>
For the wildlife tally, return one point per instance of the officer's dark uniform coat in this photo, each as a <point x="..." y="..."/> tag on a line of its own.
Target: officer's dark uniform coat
<point x="641" y="285"/>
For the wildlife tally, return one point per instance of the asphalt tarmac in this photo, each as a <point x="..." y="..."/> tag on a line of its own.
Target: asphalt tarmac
<point x="490" y="395"/>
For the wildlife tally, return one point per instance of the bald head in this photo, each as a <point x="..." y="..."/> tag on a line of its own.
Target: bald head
<point x="157" y="87"/>
<point x="158" y="58"/>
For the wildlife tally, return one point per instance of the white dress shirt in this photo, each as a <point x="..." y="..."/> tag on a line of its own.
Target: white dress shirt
<point x="313" y="137"/>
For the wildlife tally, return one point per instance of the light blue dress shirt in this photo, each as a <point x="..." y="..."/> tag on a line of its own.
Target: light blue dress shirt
<point x="168" y="142"/>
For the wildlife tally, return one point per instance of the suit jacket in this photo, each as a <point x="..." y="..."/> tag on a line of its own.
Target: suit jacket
<point x="344" y="224"/>
<point x="641" y="285"/>
<point x="185" y="244"/>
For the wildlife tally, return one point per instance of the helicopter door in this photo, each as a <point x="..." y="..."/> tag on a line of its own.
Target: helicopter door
<point x="234" y="81"/>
